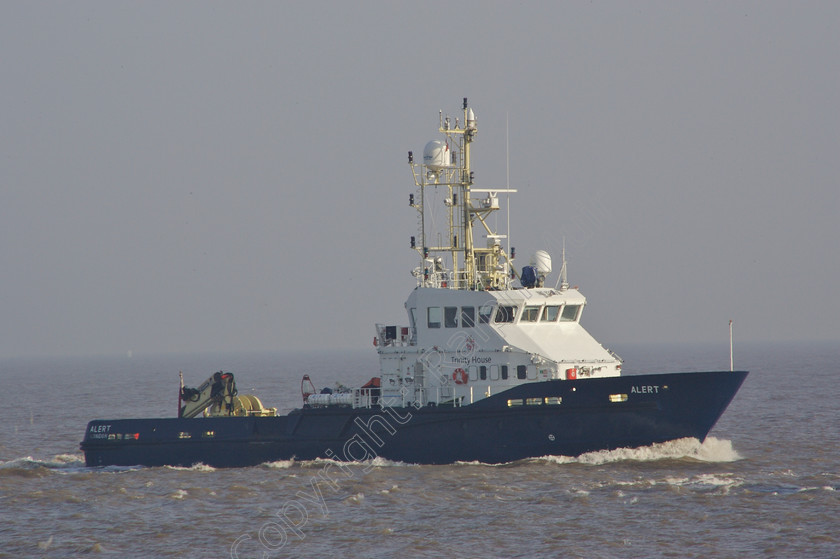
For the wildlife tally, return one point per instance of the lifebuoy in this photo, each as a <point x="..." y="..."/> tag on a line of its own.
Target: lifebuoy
<point x="460" y="376"/>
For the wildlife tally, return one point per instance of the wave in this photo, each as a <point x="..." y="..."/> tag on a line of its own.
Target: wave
<point x="711" y="450"/>
<point x="178" y="494"/>
<point x="380" y="462"/>
<point x="29" y="466"/>
<point x="198" y="467"/>
<point x="721" y="482"/>
<point x="278" y="465"/>
<point x="377" y="462"/>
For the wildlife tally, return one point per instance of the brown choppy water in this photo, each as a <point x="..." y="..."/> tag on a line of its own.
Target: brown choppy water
<point x="766" y="483"/>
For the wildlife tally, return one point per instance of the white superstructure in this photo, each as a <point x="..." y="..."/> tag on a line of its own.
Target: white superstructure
<point x="476" y="326"/>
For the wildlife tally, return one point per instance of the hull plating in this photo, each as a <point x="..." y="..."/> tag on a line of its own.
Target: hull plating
<point x="530" y="420"/>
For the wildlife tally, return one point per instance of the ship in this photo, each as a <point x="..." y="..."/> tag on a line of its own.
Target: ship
<point x="493" y="365"/>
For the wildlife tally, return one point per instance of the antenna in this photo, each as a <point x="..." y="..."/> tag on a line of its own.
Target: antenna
<point x="731" y="353"/>
<point x="507" y="185"/>
<point x="563" y="281"/>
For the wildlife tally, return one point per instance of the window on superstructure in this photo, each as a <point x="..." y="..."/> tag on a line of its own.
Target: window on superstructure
<point x="494" y="372"/>
<point x="504" y="372"/>
<point x="433" y="316"/>
<point x="505" y="313"/>
<point x="550" y="313"/>
<point x="530" y="314"/>
<point x="484" y="314"/>
<point x="521" y="372"/>
<point x="570" y="313"/>
<point x="467" y="317"/>
<point x="482" y="372"/>
<point x="450" y="317"/>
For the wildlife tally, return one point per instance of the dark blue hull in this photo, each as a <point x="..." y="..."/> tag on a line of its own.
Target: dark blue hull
<point x="535" y="419"/>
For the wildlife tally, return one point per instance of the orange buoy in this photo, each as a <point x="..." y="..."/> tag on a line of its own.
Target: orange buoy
<point x="460" y="376"/>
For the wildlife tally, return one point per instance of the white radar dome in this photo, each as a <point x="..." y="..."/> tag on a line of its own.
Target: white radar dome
<point x="436" y="155"/>
<point x="542" y="260"/>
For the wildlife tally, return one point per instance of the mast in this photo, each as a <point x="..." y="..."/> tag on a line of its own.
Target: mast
<point x="447" y="165"/>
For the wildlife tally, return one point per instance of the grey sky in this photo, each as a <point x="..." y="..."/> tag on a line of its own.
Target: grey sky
<point x="203" y="176"/>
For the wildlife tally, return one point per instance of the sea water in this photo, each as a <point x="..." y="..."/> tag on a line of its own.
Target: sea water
<point x="766" y="482"/>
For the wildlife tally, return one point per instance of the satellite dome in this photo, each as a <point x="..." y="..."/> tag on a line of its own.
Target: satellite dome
<point x="436" y="155"/>
<point x="542" y="260"/>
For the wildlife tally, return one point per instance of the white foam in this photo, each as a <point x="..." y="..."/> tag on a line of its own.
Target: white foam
<point x="380" y="462"/>
<point x="377" y="462"/>
<point x="721" y="482"/>
<point x="280" y="464"/>
<point x="198" y="467"/>
<point x="711" y="450"/>
<point x="60" y="461"/>
<point x="356" y="499"/>
<point x="823" y="488"/>
<point x="716" y="450"/>
<point x="66" y="461"/>
<point x="25" y="462"/>
<point x="322" y="462"/>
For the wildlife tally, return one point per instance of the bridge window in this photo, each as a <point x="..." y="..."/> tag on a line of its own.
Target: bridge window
<point x="570" y="313"/>
<point x="521" y="372"/>
<point x="450" y="317"/>
<point x="550" y="313"/>
<point x="482" y="372"/>
<point x="467" y="317"/>
<point x="484" y="314"/>
<point x="505" y="314"/>
<point x="530" y="314"/>
<point x="504" y="372"/>
<point x="433" y="317"/>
